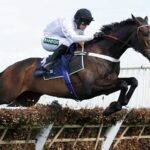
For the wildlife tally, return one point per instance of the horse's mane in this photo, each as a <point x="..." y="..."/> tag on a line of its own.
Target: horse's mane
<point x="113" y="27"/>
<point x="107" y="29"/>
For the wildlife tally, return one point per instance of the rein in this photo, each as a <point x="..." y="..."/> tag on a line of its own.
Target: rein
<point x="117" y="39"/>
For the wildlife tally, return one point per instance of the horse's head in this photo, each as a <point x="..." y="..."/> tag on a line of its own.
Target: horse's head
<point x="141" y="36"/>
<point x="131" y="33"/>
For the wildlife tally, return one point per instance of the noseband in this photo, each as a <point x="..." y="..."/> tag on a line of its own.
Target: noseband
<point x="142" y="26"/>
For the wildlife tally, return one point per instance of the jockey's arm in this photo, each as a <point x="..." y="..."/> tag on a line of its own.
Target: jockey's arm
<point x="73" y="36"/>
<point x="80" y="38"/>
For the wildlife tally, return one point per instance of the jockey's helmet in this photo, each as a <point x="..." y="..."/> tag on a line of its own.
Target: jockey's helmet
<point x="83" y="16"/>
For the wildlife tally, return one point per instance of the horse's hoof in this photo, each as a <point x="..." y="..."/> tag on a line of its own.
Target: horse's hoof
<point x="108" y="111"/>
<point x="125" y="102"/>
<point x="113" y="107"/>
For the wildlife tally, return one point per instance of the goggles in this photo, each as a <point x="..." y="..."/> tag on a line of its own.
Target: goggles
<point x="85" y="21"/>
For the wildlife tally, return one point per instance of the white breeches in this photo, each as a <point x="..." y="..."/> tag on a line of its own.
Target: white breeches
<point x="50" y="43"/>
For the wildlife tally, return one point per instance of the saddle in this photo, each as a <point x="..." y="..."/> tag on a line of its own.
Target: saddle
<point x="69" y="62"/>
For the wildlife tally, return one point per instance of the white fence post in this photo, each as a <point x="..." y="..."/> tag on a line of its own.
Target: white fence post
<point x="42" y="137"/>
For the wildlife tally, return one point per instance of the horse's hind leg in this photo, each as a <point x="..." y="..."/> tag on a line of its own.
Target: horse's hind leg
<point x="7" y="98"/>
<point x="8" y="94"/>
<point x="28" y="98"/>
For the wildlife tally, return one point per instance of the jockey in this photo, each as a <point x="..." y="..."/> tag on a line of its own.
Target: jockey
<point x="61" y="33"/>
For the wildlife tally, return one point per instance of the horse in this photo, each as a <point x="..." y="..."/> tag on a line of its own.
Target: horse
<point x="19" y="86"/>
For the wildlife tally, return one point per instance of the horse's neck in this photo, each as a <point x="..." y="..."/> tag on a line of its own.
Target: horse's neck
<point x="116" y="47"/>
<point x="112" y="47"/>
<point x="108" y="47"/>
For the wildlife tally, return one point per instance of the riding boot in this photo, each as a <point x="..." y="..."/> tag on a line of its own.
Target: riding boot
<point x="50" y="61"/>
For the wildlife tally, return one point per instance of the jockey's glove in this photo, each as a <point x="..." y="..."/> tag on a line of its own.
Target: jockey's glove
<point x="99" y="35"/>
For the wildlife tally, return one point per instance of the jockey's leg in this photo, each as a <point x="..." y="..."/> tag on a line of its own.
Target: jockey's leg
<point x="50" y="60"/>
<point x="59" y="48"/>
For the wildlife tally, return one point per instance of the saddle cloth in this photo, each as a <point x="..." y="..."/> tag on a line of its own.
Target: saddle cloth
<point x="71" y="64"/>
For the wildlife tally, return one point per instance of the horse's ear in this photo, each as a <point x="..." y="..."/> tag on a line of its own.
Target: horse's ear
<point x="135" y="19"/>
<point x="146" y="19"/>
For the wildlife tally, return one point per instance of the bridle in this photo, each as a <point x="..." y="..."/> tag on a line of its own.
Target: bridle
<point x="139" y="29"/>
<point x="146" y="25"/>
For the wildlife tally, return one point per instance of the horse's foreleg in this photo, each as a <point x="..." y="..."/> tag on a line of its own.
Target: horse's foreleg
<point x="110" y="86"/>
<point x="133" y="84"/>
<point x="121" y="84"/>
<point x="124" y="96"/>
<point x="117" y="105"/>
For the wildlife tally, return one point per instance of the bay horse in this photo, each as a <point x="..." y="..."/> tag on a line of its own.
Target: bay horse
<point x="19" y="86"/>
